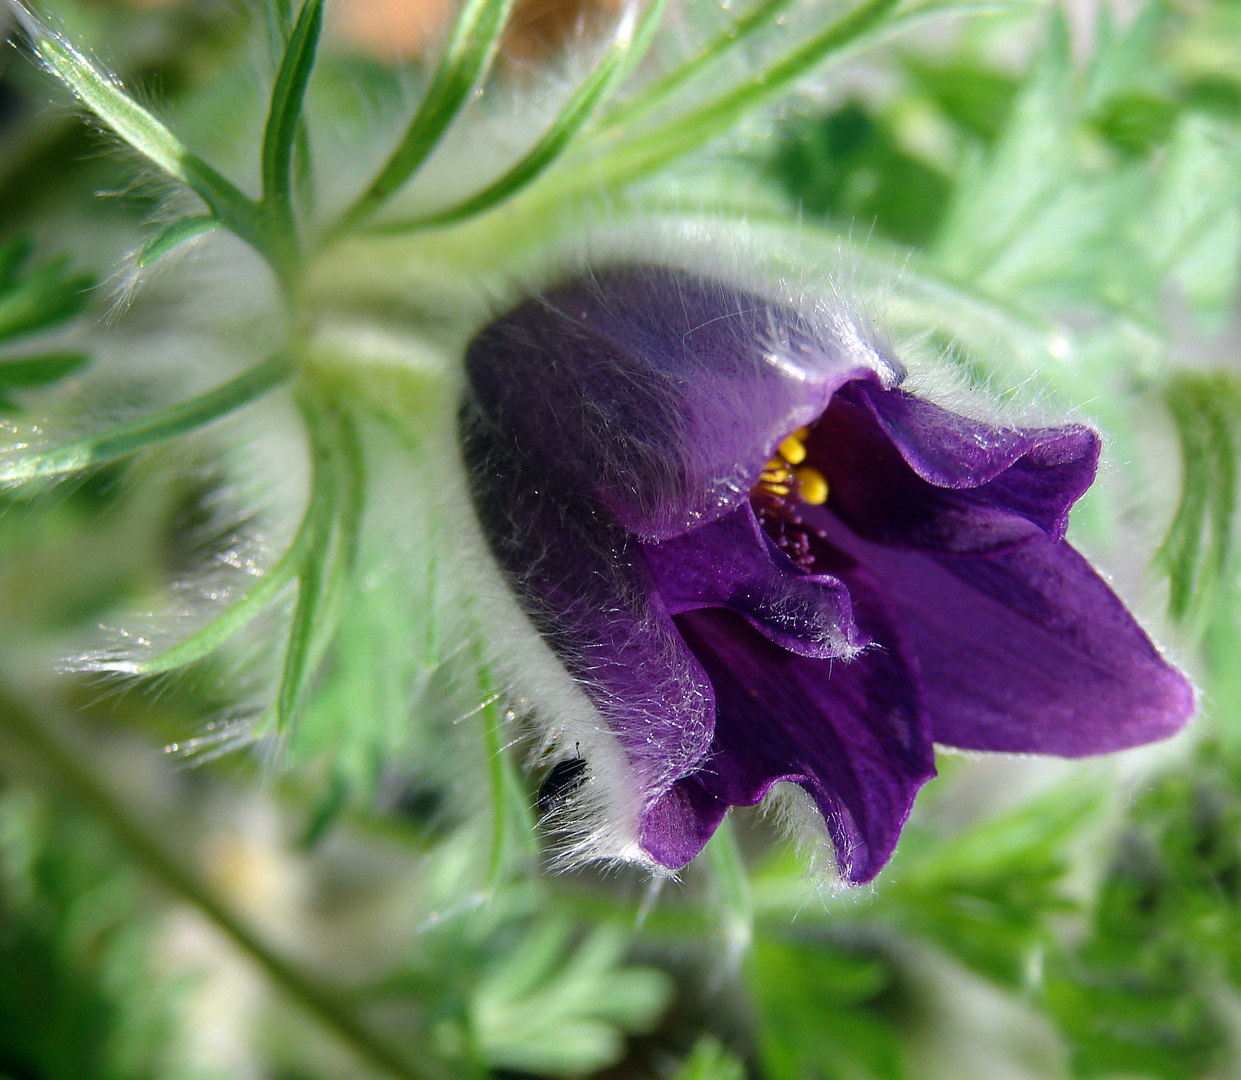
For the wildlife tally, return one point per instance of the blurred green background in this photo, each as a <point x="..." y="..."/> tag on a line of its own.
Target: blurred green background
<point x="1049" y="197"/>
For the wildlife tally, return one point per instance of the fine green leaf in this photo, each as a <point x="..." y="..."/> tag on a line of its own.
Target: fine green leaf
<point x="737" y="33"/>
<point x="41" y="370"/>
<point x="174" y="234"/>
<point x="510" y="809"/>
<point x="988" y="895"/>
<point x="42" y="300"/>
<point x="12" y="257"/>
<point x="1138" y="993"/>
<point x="208" y="638"/>
<point x="467" y="57"/>
<point x="285" y="118"/>
<point x="20" y="467"/>
<point x="137" y="127"/>
<point x="710" y="1061"/>
<point x="821" y="1013"/>
<point x="1197" y="552"/>
<point x="540" y="1011"/>
<point x="280" y="16"/>
<point x="647" y="152"/>
<point x="337" y="498"/>
<point x="611" y="70"/>
<point x="496" y="777"/>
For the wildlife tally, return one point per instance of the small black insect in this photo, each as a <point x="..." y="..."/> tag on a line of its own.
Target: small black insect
<point x="565" y="778"/>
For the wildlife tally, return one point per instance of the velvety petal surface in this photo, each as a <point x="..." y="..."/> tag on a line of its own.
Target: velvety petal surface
<point x="854" y="734"/>
<point x="908" y="473"/>
<point x="732" y="563"/>
<point x="655" y="394"/>
<point x="1026" y="651"/>
<point x="585" y="584"/>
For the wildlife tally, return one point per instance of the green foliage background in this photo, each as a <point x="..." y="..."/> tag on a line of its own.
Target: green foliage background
<point x="1052" y="203"/>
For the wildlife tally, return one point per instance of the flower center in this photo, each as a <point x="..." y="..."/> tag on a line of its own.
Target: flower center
<point x="783" y="487"/>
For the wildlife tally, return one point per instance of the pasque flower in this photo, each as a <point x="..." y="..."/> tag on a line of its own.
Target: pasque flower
<point x="762" y="560"/>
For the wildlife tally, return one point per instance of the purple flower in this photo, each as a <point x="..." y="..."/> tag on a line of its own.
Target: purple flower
<point x="762" y="560"/>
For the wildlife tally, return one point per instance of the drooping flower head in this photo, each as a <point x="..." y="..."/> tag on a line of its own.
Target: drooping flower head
<point x="762" y="560"/>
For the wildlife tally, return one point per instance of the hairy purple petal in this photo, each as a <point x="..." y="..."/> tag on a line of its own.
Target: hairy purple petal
<point x="855" y="735"/>
<point x="657" y="395"/>
<point x="908" y="473"/>
<point x="585" y="584"/>
<point x="1027" y="651"/>
<point x="613" y="430"/>
<point x="732" y="563"/>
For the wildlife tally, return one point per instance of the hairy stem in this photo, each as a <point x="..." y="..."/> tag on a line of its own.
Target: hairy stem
<point x="68" y="766"/>
<point x="179" y="419"/>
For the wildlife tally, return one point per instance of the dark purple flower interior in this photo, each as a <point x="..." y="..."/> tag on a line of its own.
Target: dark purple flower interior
<point x="733" y="633"/>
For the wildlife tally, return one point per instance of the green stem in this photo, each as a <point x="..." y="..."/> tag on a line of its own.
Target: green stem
<point x="598" y="87"/>
<point x="468" y="55"/>
<point x="733" y="882"/>
<point x="337" y="502"/>
<point x="125" y="439"/>
<point x="68" y="765"/>
<point x="219" y="630"/>
<point x="495" y="768"/>
<point x="655" y="95"/>
<point x="151" y="138"/>
<point x="633" y="158"/>
<point x="284" y="123"/>
<point x="321" y="515"/>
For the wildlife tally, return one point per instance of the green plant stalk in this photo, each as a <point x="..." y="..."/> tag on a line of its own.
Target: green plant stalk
<point x="67" y="765"/>
<point x="137" y="127"/>
<point x="40" y="369"/>
<point x="125" y="439"/>
<point x="42" y="300"/>
<point x="633" y="158"/>
<point x="733" y="883"/>
<point x="210" y="637"/>
<point x="337" y="502"/>
<point x="1197" y="552"/>
<point x="630" y="112"/>
<point x="497" y="780"/>
<point x="284" y="124"/>
<point x="737" y="34"/>
<point x="602" y="82"/>
<point x="322" y="513"/>
<point x="466" y="60"/>
<point x="174" y="234"/>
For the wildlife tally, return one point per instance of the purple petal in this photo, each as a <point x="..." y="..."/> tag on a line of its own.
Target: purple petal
<point x="677" y="826"/>
<point x="908" y="473"/>
<point x="854" y="734"/>
<point x="1027" y="651"/>
<point x="586" y="587"/>
<point x="732" y="563"/>
<point x="655" y="394"/>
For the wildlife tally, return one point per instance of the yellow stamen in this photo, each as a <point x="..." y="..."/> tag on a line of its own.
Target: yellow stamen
<point x="778" y="489"/>
<point x="792" y="450"/>
<point x="775" y="476"/>
<point x="812" y="485"/>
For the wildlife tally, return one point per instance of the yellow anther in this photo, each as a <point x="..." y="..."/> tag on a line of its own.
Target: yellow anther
<point x="775" y="476"/>
<point x="778" y="489"/>
<point x="802" y="434"/>
<point x="812" y="485"/>
<point x="792" y="450"/>
<point x="776" y="463"/>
